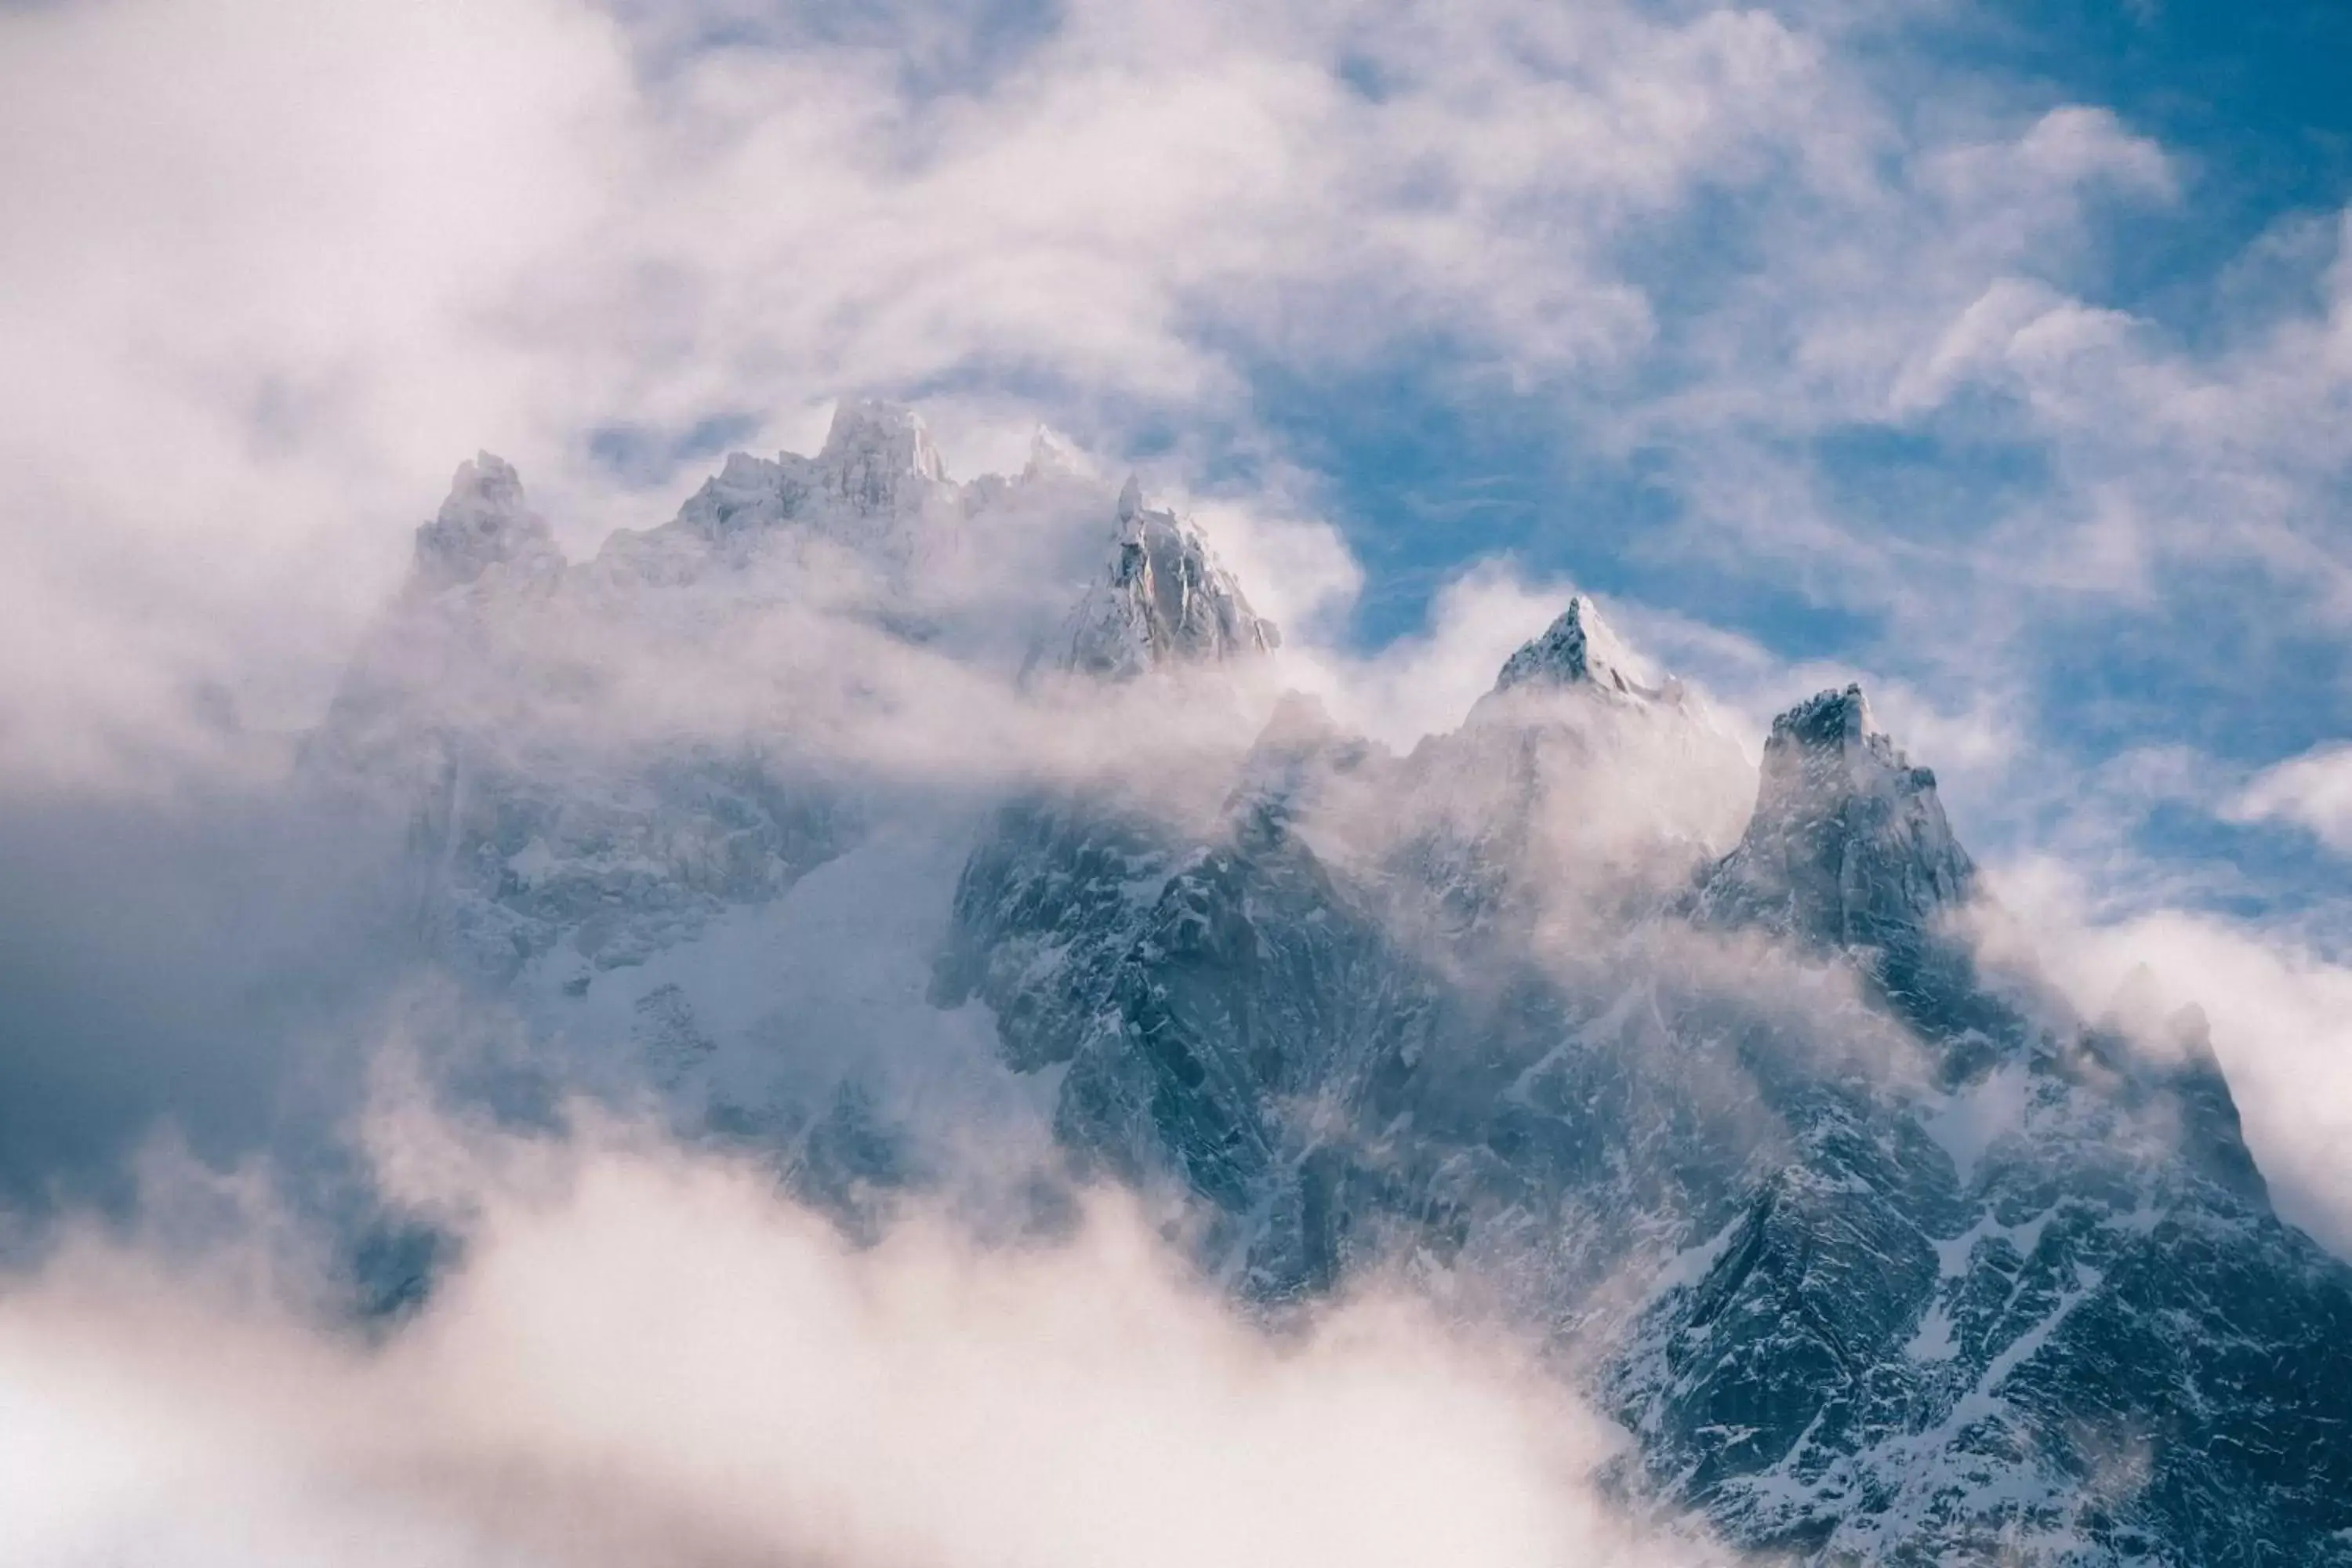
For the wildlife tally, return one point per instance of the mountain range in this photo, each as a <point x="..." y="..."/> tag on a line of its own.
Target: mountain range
<point x="864" y="817"/>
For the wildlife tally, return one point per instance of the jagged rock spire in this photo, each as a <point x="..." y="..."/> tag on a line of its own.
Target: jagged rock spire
<point x="1579" y="650"/>
<point x="1165" y="600"/>
<point x="484" y="523"/>
<point x="875" y="451"/>
<point x="1848" y="845"/>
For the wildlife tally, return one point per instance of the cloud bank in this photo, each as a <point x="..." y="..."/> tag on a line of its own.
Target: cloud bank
<point x="648" y="1354"/>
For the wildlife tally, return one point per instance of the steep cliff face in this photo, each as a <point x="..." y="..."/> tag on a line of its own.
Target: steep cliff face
<point x="550" y="827"/>
<point x="484" y="523"/>
<point x="1579" y="650"/>
<point x="1582" y="787"/>
<point x="1848" y="847"/>
<point x="1848" y="851"/>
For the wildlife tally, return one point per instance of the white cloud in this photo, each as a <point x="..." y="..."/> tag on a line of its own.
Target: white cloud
<point x="259" y="256"/>
<point x="2313" y="792"/>
<point x="644" y="1355"/>
<point x="305" y="257"/>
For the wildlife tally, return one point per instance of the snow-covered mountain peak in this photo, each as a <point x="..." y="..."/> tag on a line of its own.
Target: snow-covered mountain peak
<point x="876" y="453"/>
<point x="876" y="491"/>
<point x="1165" y="600"/>
<point x="1854" y="1302"/>
<point x="1580" y="649"/>
<point x="484" y="523"/>
<point x="1594" y="761"/>
<point x="1828" y="753"/>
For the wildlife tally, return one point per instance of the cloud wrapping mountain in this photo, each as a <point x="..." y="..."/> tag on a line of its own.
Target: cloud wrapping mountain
<point x="899" y="911"/>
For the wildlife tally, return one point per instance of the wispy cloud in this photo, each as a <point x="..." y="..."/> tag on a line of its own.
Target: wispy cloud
<point x="2313" y="792"/>
<point x="2278" y="1009"/>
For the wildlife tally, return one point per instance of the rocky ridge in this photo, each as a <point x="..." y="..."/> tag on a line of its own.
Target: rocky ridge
<point x="1567" y="1013"/>
<point x="1876" y="1265"/>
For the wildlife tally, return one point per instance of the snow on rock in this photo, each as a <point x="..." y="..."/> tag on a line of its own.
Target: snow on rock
<point x="876" y="454"/>
<point x="877" y="493"/>
<point x="1581" y="774"/>
<point x="550" y="816"/>
<point x="1580" y="648"/>
<point x="1051" y="454"/>
<point x="1872" y="1271"/>
<point x="1166" y="600"/>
